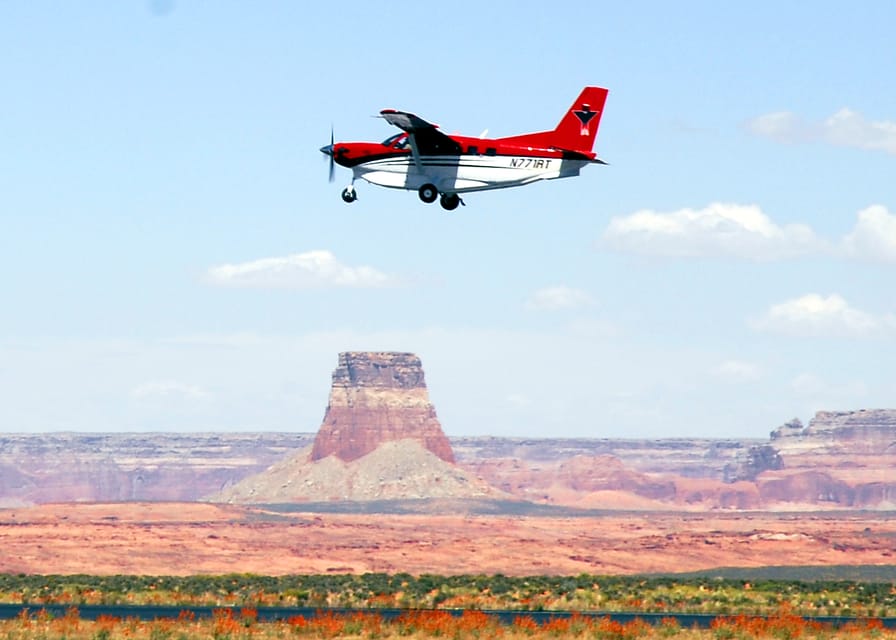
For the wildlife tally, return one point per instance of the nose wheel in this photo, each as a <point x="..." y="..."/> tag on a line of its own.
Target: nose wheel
<point x="349" y="194"/>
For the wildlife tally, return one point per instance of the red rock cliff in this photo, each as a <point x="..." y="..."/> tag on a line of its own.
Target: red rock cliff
<point x="378" y="397"/>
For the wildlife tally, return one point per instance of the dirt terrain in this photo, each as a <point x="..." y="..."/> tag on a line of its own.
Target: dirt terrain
<point x="194" y="538"/>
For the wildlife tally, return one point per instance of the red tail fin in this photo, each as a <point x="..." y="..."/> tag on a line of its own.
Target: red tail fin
<point x="578" y="127"/>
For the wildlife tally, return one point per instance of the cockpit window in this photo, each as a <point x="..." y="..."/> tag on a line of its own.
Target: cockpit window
<point x="398" y="141"/>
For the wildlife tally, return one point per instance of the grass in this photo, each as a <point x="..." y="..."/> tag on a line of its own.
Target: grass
<point x="586" y="593"/>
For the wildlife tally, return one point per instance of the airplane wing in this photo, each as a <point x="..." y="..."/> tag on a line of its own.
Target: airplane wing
<point x="406" y="121"/>
<point x="425" y="137"/>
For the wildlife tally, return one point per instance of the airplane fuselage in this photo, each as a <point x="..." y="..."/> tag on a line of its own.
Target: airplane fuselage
<point x="484" y="164"/>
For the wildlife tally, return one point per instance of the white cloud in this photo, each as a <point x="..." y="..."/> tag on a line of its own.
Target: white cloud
<point x="781" y="126"/>
<point x="744" y="231"/>
<point x="168" y="389"/>
<point x="846" y="393"/>
<point x="850" y="129"/>
<point x="846" y="128"/>
<point x="738" y="370"/>
<point x="559" y="298"/>
<point x="874" y="236"/>
<point x="720" y="229"/>
<point x="311" y="270"/>
<point x="816" y="315"/>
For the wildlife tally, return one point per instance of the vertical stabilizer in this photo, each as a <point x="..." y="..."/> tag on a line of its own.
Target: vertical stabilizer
<point x="577" y="128"/>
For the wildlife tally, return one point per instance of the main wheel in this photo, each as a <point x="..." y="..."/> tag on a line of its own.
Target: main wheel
<point x="349" y="195"/>
<point x="428" y="193"/>
<point x="449" y="201"/>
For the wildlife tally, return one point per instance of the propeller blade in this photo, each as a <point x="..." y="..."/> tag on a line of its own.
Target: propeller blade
<point x="332" y="153"/>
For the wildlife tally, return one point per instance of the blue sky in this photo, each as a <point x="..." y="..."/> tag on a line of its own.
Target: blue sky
<point x="174" y="258"/>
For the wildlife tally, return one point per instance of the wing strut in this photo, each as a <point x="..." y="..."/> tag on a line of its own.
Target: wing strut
<point x="415" y="152"/>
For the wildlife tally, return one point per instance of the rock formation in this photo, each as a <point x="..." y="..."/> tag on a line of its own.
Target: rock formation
<point x="690" y="457"/>
<point x="788" y="429"/>
<point x="380" y="440"/>
<point x="809" y="487"/>
<point x="396" y="470"/>
<point x="840" y="460"/>
<point x="564" y="480"/>
<point x="863" y="432"/>
<point x="378" y="397"/>
<point x="759" y="458"/>
<point x="104" y="467"/>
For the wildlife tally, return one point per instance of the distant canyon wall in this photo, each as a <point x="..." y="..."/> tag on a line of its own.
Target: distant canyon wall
<point x="126" y="467"/>
<point x="841" y="460"/>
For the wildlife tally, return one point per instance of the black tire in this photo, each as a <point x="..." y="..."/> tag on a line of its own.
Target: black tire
<point x="449" y="201"/>
<point x="349" y="196"/>
<point x="428" y="193"/>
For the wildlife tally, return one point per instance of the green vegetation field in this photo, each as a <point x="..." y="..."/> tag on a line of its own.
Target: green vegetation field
<point x="784" y="605"/>
<point x="724" y="596"/>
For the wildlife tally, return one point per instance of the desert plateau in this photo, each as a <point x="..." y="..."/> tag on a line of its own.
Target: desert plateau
<point x="192" y="538"/>
<point x="381" y="488"/>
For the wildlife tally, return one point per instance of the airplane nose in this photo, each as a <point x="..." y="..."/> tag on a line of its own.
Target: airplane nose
<point x="327" y="150"/>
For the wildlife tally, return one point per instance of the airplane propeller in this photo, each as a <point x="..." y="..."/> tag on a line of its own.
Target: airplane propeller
<point x="328" y="150"/>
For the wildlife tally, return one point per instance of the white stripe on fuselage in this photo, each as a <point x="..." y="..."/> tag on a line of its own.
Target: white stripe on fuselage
<point x="458" y="174"/>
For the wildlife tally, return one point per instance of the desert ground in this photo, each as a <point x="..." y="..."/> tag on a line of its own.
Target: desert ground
<point x="196" y="538"/>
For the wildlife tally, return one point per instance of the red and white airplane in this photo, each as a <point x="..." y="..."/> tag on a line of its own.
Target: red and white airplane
<point x="433" y="163"/>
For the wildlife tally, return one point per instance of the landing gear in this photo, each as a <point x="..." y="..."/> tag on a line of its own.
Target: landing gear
<point x="428" y="193"/>
<point x="449" y="201"/>
<point x="349" y="194"/>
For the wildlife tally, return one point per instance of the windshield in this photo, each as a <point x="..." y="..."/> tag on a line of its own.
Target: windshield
<point x="398" y="141"/>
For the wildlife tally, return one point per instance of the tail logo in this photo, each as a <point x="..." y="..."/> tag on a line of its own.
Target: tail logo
<point x="584" y="115"/>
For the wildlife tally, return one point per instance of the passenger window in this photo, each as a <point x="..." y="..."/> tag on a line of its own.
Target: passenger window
<point x="491" y="151"/>
<point x="473" y="150"/>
